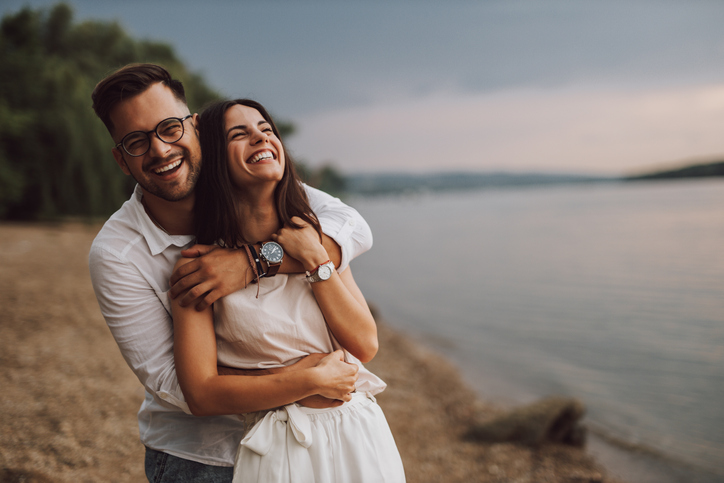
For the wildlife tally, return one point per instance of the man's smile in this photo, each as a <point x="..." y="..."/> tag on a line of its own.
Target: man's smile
<point x="168" y="167"/>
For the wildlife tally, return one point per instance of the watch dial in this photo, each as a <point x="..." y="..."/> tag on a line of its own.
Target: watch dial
<point x="272" y="252"/>
<point x="324" y="272"/>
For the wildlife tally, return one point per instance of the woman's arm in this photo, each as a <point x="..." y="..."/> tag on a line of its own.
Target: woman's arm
<point x="340" y="299"/>
<point x="207" y="393"/>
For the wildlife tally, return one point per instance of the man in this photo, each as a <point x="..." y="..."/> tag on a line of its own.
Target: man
<point x="132" y="258"/>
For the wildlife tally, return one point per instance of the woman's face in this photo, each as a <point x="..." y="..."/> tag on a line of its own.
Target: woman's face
<point x="255" y="153"/>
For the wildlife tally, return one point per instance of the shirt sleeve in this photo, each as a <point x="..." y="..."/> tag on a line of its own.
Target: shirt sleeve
<point x="139" y="322"/>
<point x="342" y="223"/>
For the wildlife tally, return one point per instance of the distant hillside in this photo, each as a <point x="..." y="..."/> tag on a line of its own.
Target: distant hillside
<point x="373" y="184"/>
<point x="695" y="171"/>
<point x="380" y="184"/>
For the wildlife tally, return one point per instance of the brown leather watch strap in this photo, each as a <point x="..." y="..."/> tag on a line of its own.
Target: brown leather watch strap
<point x="273" y="269"/>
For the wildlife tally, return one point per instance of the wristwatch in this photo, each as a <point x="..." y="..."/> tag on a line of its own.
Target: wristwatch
<point x="272" y="253"/>
<point x="321" y="273"/>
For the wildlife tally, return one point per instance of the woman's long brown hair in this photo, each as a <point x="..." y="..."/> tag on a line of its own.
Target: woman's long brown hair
<point x="216" y="219"/>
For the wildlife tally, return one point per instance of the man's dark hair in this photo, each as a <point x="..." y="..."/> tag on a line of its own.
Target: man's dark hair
<point x="127" y="82"/>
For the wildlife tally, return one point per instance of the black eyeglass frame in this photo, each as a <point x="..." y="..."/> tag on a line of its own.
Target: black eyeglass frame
<point x="154" y="131"/>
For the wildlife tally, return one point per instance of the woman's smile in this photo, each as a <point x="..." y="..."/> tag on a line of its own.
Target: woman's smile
<point x="263" y="155"/>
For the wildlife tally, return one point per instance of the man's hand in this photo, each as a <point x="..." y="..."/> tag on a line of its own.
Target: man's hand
<point x="214" y="273"/>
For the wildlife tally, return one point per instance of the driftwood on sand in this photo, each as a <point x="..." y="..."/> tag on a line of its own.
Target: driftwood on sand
<point x="549" y="420"/>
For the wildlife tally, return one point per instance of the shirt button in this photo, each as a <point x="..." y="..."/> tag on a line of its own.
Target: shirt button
<point x="351" y="222"/>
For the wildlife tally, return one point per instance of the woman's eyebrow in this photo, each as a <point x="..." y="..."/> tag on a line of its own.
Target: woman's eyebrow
<point x="240" y="126"/>
<point x="243" y="126"/>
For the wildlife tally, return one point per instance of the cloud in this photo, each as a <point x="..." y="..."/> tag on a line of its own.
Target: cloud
<point x="576" y="129"/>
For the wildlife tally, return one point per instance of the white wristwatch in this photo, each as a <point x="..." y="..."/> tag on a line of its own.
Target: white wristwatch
<point x="321" y="273"/>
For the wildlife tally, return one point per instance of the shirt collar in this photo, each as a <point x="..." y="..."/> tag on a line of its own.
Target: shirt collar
<point x="158" y="240"/>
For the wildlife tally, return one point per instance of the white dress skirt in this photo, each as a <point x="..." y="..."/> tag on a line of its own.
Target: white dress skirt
<point x="294" y="444"/>
<point x="351" y="443"/>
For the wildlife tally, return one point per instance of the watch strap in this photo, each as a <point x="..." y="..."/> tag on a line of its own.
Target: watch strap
<point x="273" y="269"/>
<point x="313" y="276"/>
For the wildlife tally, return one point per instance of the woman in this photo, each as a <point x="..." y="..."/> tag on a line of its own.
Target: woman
<point x="248" y="192"/>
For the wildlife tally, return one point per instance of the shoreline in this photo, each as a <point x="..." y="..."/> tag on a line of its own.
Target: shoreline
<point x="641" y="464"/>
<point x="70" y="401"/>
<point x="622" y="460"/>
<point x="406" y="364"/>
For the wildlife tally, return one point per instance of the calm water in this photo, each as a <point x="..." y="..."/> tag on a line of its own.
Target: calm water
<point x="613" y="293"/>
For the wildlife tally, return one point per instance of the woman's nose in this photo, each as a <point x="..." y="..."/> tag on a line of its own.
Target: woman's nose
<point x="257" y="136"/>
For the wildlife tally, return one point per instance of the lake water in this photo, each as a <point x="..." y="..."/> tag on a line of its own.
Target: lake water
<point x="612" y="293"/>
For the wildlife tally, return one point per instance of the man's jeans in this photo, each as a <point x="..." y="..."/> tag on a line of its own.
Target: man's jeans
<point x="164" y="468"/>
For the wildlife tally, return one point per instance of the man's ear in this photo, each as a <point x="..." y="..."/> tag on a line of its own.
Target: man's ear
<point x="118" y="156"/>
<point x="196" y="123"/>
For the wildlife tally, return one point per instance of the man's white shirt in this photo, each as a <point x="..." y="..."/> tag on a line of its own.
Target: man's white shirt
<point x="131" y="261"/>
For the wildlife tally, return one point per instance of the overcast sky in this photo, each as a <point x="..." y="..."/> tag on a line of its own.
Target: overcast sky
<point x="575" y="86"/>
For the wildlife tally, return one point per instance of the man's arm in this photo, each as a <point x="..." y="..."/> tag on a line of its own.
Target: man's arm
<point x="342" y="223"/>
<point x="139" y="323"/>
<point x="217" y="272"/>
<point x="143" y="330"/>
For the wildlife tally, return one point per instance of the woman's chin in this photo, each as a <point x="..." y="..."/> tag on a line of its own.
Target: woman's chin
<point x="257" y="184"/>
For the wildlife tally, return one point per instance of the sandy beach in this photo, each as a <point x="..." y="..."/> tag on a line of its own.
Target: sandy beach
<point x="69" y="401"/>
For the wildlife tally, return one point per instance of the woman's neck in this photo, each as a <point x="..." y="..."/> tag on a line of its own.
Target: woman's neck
<point x="258" y="215"/>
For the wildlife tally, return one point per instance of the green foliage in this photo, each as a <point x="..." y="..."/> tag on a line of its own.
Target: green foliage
<point x="285" y="128"/>
<point x="326" y="178"/>
<point x="701" y="170"/>
<point x="54" y="153"/>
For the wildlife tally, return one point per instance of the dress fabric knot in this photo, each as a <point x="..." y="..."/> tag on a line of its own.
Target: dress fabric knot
<point x="275" y="449"/>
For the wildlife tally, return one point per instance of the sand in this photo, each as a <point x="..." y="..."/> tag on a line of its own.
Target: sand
<point x="69" y="402"/>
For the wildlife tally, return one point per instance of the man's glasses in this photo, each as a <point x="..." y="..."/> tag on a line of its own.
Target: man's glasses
<point x="137" y="143"/>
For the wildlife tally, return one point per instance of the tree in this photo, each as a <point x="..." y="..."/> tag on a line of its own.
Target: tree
<point x="326" y="178"/>
<point x="54" y="152"/>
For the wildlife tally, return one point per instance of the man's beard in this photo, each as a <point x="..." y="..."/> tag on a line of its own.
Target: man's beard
<point x="173" y="192"/>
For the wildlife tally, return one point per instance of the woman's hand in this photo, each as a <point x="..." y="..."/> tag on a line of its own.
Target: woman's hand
<point x="302" y="244"/>
<point x="335" y="378"/>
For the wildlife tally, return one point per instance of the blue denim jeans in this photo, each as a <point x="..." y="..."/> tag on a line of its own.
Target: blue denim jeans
<point x="164" y="468"/>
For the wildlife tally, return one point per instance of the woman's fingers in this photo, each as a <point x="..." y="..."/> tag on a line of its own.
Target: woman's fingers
<point x="337" y="378"/>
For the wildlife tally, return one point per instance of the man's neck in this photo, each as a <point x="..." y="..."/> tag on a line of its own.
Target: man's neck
<point x="174" y="217"/>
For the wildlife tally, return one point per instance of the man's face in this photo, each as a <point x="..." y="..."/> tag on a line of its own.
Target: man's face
<point x="167" y="171"/>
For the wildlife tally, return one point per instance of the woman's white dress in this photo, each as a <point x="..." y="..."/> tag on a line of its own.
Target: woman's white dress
<point x="350" y="443"/>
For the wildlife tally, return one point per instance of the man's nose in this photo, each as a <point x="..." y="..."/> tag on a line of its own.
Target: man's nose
<point x="158" y="148"/>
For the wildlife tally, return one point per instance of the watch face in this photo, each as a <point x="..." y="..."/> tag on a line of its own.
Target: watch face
<point x="272" y="252"/>
<point x="324" y="272"/>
